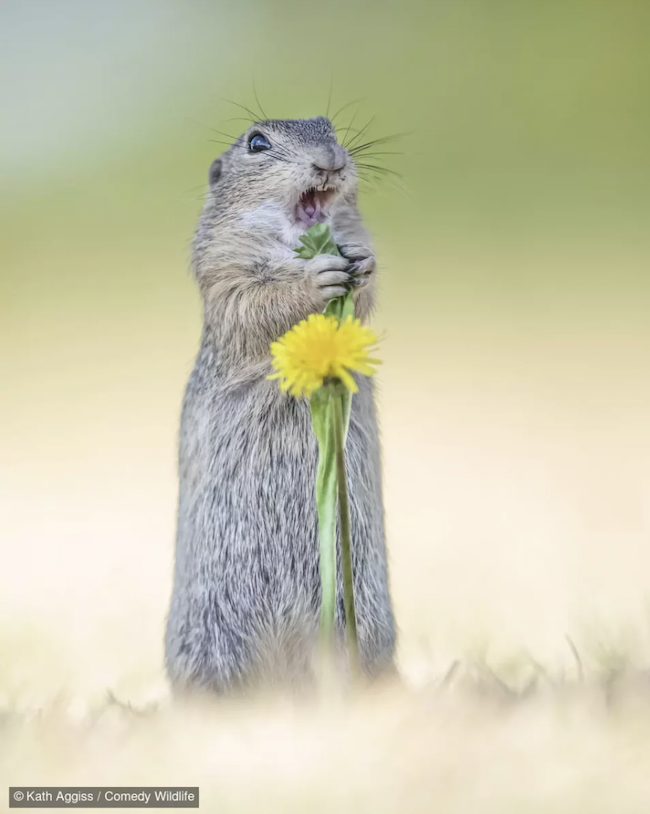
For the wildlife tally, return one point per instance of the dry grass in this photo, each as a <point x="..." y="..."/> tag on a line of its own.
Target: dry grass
<point x="468" y="743"/>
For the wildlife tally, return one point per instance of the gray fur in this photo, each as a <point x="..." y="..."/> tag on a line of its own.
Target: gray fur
<point x="246" y="594"/>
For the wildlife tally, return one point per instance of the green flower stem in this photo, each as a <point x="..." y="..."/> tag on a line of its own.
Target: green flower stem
<point x="339" y="426"/>
<point x="321" y="409"/>
<point x="330" y="411"/>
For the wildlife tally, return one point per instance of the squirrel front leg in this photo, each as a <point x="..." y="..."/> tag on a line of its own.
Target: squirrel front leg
<point x="354" y="244"/>
<point x="248" y="309"/>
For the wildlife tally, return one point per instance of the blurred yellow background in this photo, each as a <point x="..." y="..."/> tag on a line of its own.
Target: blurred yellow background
<point x="515" y="258"/>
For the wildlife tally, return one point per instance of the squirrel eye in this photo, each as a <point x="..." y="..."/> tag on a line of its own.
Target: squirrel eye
<point x="259" y="143"/>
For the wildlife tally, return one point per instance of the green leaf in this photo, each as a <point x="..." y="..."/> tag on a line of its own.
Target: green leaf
<point x="347" y="306"/>
<point x="317" y="240"/>
<point x="347" y="408"/>
<point x="340" y="307"/>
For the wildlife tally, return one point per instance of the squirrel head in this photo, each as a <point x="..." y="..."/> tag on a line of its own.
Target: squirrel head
<point x="283" y="172"/>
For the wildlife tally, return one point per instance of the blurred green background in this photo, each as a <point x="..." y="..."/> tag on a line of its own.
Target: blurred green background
<point x="514" y="253"/>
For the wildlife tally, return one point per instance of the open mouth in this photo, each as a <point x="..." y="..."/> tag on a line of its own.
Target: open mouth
<point x="313" y="206"/>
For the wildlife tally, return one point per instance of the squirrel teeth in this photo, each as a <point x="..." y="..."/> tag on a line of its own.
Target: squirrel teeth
<point x="312" y="206"/>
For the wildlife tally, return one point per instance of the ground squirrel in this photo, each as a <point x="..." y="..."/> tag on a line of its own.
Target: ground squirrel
<point x="246" y="595"/>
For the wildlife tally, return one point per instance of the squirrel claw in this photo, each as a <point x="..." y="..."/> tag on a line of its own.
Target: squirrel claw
<point x="362" y="261"/>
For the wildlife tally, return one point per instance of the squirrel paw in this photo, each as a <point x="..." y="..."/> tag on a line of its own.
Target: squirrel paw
<point x="363" y="263"/>
<point x="331" y="276"/>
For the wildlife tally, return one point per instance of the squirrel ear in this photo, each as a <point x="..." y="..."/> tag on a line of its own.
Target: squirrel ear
<point x="215" y="171"/>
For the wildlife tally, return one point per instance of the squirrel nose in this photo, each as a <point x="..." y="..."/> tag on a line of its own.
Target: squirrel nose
<point x="333" y="168"/>
<point x="329" y="160"/>
<point x="327" y="177"/>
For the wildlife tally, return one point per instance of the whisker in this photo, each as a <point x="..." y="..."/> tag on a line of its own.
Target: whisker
<point x="375" y="181"/>
<point x="329" y="98"/>
<point x="376" y="142"/>
<point x="371" y="180"/>
<point x="264" y="116"/>
<point x="278" y="149"/>
<point x="217" y="141"/>
<point x="381" y="170"/>
<point x="254" y="119"/>
<point x="345" y="107"/>
<point x="368" y="155"/>
<point x="280" y="157"/>
<point x="238" y="119"/>
<point x="227" y="135"/>
<point x="201" y="124"/>
<point x="350" y="143"/>
<point x="352" y="121"/>
<point x="194" y="189"/>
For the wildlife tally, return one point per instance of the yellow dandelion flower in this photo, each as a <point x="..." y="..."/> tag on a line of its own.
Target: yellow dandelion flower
<point x="320" y="347"/>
